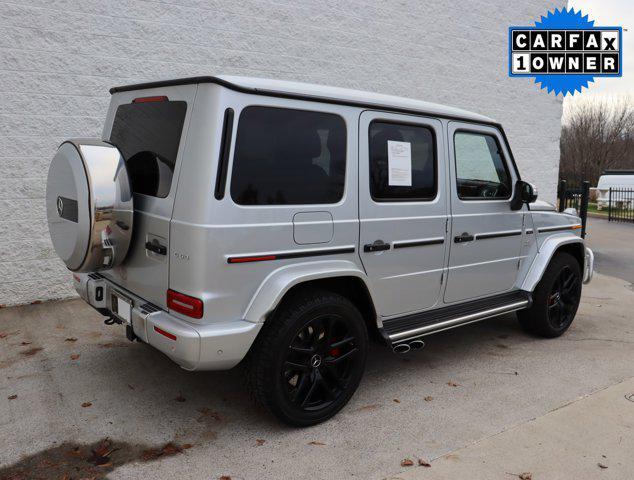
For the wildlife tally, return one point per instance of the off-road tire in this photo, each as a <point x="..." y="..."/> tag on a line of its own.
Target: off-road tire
<point x="267" y="360"/>
<point x="537" y="319"/>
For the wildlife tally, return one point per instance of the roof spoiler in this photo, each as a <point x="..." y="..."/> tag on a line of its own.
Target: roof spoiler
<point x="618" y="172"/>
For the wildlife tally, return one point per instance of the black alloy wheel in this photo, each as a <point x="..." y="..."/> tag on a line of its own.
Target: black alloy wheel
<point x="555" y="298"/>
<point x="309" y="358"/>
<point x="564" y="298"/>
<point x="319" y="362"/>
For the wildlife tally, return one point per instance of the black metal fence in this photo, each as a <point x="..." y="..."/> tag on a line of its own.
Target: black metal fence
<point x="576" y="198"/>
<point x="621" y="205"/>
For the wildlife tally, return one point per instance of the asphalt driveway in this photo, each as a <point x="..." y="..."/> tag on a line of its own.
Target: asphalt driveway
<point x="613" y="246"/>
<point x="76" y="396"/>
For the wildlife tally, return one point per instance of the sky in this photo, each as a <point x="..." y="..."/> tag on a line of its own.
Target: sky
<point x="611" y="13"/>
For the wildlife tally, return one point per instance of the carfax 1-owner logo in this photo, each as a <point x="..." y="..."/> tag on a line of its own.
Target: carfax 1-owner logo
<point x="565" y="51"/>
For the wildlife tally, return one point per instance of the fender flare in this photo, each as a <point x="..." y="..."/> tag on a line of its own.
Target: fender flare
<point x="277" y="283"/>
<point x="546" y="252"/>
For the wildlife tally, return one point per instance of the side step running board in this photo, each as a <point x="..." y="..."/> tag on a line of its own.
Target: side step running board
<point x="417" y="325"/>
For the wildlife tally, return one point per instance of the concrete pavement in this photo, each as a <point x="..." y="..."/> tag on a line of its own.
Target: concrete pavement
<point x="589" y="438"/>
<point x="467" y="385"/>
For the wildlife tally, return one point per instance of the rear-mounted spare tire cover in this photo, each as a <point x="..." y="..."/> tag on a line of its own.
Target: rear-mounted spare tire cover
<point x="89" y="205"/>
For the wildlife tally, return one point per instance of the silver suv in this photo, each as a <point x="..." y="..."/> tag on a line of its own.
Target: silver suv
<point x="226" y="220"/>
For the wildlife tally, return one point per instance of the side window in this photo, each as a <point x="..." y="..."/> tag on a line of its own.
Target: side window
<point x="288" y="157"/>
<point x="402" y="162"/>
<point x="481" y="172"/>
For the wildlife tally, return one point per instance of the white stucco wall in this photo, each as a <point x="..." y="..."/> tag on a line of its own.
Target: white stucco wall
<point x="59" y="57"/>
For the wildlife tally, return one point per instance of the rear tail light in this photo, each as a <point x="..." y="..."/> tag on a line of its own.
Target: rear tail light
<point x="181" y="303"/>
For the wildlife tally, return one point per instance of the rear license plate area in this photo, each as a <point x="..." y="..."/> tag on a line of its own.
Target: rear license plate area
<point x="120" y="306"/>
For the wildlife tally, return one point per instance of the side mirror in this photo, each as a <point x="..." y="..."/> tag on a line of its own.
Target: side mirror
<point x="524" y="193"/>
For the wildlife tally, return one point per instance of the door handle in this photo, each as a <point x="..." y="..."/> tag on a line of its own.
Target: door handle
<point x="377" y="246"/>
<point x="156" y="248"/>
<point x="465" y="237"/>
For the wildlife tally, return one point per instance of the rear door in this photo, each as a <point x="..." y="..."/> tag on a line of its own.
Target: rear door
<point x="402" y="209"/>
<point x="486" y="234"/>
<point x="150" y="127"/>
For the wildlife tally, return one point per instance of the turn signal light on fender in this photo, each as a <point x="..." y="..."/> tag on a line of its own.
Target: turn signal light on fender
<point x="181" y="303"/>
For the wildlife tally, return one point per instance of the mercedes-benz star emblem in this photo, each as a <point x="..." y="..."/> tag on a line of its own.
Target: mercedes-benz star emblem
<point x="60" y="206"/>
<point x="315" y="361"/>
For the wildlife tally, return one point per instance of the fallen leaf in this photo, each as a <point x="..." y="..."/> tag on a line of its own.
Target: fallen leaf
<point x="208" y="412"/>
<point x="75" y="452"/>
<point x="103" y="448"/>
<point x="36" y="302"/>
<point x="452" y="384"/>
<point x="25" y="343"/>
<point x="368" y="407"/>
<point x="106" y="345"/>
<point x="150" y="454"/>
<point x="259" y="442"/>
<point x="423" y="463"/>
<point x="12" y="397"/>
<point x="526" y="476"/>
<point x="396" y="400"/>
<point x="130" y="387"/>
<point x="315" y="443"/>
<point x="406" y="462"/>
<point x="601" y="465"/>
<point x="3" y="335"/>
<point x="100" y="455"/>
<point x="74" y="356"/>
<point x="86" y="404"/>
<point x="186" y="446"/>
<point x="31" y="351"/>
<point x="180" y="398"/>
<point x="224" y="477"/>
<point x="70" y="339"/>
<point x="167" y="450"/>
<point x="428" y="398"/>
<point x="171" y="449"/>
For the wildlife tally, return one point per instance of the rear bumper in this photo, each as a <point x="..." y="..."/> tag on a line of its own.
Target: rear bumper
<point x="588" y="269"/>
<point x="218" y="346"/>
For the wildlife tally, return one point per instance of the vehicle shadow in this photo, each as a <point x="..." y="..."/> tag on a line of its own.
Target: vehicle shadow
<point x="205" y="403"/>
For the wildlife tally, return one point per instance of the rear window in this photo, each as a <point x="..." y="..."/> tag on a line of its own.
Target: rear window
<point x="288" y="157"/>
<point x="148" y="135"/>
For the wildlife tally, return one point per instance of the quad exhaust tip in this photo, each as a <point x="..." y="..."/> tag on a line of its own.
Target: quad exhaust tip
<point x="405" y="347"/>
<point x="401" y="348"/>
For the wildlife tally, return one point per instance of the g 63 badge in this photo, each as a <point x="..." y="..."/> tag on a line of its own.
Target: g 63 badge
<point x="564" y="51"/>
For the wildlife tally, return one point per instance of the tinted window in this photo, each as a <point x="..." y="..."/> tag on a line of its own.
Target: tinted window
<point x="480" y="169"/>
<point x="148" y="135"/>
<point x="285" y="156"/>
<point x="402" y="162"/>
